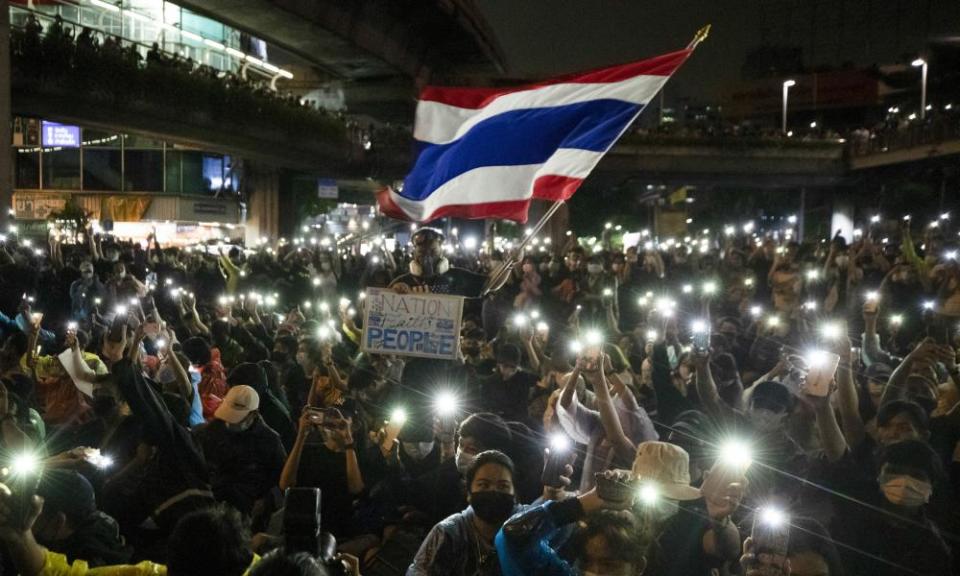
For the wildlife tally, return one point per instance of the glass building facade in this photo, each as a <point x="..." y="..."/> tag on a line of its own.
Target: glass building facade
<point x="116" y="162"/>
<point x="176" y="31"/>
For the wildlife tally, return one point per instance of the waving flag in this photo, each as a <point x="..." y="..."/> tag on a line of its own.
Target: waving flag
<point x="487" y="152"/>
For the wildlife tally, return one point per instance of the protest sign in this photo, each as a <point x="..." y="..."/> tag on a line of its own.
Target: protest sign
<point x="424" y="325"/>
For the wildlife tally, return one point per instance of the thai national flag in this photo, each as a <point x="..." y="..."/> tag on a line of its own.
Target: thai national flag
<point x="486" y="152"/>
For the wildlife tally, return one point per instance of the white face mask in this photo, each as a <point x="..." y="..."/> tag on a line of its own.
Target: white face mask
<point x="766" y="420"/>
<point x="905" y="490"/>
<point x="842" y="261"/>
<point x="463" y="460"/>
<point x="594" y="268"/>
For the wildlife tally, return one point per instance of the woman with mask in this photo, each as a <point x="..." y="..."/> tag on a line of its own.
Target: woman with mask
<point x="463" y="544"/>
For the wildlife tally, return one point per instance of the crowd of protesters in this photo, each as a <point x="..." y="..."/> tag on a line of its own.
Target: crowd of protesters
<point x="660" y="408"/>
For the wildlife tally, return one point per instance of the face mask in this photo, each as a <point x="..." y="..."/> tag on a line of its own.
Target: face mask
<point x="632" y="258"/>
<point x="417" y="450"/>
<point x="766" y="420"/>
<point x="594" y="268"/>
<point x="463" y="460"/>
<point x="842" y="261"/>
<point x="491" y="506"/>
<point x="616" y="266"/>
<point x="544" y="267"/>
<point x="122" y="274"/>
<point x="104" y="406"/>
<point x="278" y="356"/>
<point x="905" y="490"/>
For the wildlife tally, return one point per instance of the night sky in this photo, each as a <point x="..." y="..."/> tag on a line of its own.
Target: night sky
<point x="548" y="37"/>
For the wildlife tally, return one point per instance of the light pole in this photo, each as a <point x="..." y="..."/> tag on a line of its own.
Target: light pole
<point x="786" y="92"/>
<point x="922" y="65"/>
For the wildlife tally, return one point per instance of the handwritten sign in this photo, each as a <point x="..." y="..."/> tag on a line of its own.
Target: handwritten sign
<point x="423" y="325"/>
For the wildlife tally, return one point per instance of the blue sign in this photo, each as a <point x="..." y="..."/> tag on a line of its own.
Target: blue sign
<point x="60" y="135"/>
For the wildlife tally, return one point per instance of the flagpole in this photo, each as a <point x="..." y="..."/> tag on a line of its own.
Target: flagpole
<point x="499" y="277"/>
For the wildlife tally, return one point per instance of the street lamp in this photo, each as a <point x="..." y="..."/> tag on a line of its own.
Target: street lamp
<point x="922" y="64"/>
<point x="786" y="91"/>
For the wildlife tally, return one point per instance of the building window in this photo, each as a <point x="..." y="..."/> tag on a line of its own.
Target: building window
<point x="27" y="162"/>
<point x="143" y="164"/>
<point x="61" y="168"/>
<point x="102" y="161"/>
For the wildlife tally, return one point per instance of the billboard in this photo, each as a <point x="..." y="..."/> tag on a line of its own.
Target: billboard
<point x="60" y="135"/>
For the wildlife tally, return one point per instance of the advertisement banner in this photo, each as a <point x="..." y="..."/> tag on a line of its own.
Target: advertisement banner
<point x="37" y="205"/>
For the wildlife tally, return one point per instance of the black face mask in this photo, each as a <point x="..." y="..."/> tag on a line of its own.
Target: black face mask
<point x="491" y="506"/>
<point x="104" y="406"/>
<point x="279" y="357"/>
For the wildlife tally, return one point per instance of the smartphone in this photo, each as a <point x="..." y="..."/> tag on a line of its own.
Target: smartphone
<point x="317" y="415"/>
<point x="116" y="327"/>
<point x="938" y="328"/>
<point x="556" y="460"/>
<point x="151" y="279"/>
<point x="820" y="374"/>
<point x="701" y="341"/>
<point x="771" y="538"/>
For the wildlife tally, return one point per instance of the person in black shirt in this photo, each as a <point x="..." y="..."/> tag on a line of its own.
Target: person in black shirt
<point x="881" y="524"/>
<point x="507" y="391"/>
<point x="325" y="457"/>
<point x="244" y="455"/>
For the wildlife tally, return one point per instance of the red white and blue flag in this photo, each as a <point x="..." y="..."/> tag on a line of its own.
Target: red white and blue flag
<point x="487" y="152"/>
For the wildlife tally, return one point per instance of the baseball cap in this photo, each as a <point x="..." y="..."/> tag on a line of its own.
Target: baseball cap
<point x="239" y="401"/>
<point x="667" y="466"/>
<point x="878" y="371"/>
<point x="772" y="395"/>
<point x="68" y="492"/>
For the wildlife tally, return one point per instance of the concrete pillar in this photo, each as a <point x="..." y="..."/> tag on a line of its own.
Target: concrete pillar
<point x="842" y="217"/>
<point x="6" y="118"/>
<point x="263" y="203"/>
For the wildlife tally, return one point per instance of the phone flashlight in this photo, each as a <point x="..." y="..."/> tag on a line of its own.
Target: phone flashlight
<point x="736" y="454"/>
<point x="559" y="443"/>
<point x="446" y="404"/>
<point x="648" y="494"/>
<point x="398" y="416"/>
<point x="773" y="517"/>
<point x="830" y="331"/>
